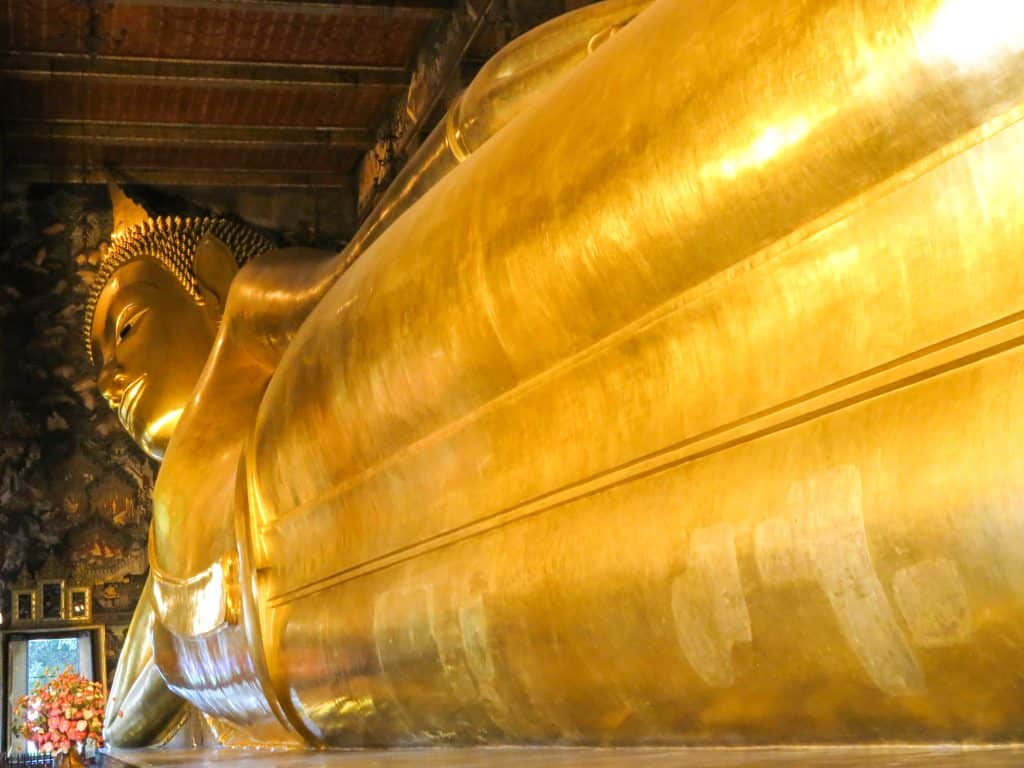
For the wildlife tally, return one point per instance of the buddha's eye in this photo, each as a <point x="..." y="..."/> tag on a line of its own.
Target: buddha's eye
<point x="128" y="324"/>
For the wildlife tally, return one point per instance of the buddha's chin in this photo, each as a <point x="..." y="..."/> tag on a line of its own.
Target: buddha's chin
<point x="153" y="435"/>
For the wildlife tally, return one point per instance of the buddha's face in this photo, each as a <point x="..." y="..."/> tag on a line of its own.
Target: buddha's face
<point x="151" y="340"/>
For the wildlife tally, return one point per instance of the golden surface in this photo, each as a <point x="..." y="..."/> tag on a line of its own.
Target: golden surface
<point x="680" y="407"/>
<point x="541" y="757"/>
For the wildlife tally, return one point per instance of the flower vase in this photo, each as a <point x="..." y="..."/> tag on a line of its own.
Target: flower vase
<point x="71" y="759"/>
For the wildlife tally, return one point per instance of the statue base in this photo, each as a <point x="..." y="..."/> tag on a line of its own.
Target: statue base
<point x="934" y="756"/>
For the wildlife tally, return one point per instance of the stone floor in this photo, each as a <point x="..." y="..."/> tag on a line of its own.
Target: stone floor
<point x="807" y="757"/>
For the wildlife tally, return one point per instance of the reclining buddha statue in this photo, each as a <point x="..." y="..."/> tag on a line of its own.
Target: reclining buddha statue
<point x="670" y="396"/>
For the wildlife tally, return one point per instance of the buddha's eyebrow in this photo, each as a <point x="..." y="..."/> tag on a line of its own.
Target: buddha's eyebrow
<point x="130" y="306"/>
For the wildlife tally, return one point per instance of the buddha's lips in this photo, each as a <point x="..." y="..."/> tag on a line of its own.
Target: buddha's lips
<point x="129" y="398"/>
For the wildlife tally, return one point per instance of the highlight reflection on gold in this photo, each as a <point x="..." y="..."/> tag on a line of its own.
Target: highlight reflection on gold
<point x="771" y="142"/>
<point x="973" y="33"/>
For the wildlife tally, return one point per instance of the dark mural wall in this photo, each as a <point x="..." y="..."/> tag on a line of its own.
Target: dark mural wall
<point x="74" y="490"/>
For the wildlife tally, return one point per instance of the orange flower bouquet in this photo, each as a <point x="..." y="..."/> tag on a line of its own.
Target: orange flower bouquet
<point x="63" y="712"/>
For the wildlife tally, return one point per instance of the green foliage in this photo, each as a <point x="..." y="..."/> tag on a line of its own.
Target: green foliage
<point x="47" y="657"/>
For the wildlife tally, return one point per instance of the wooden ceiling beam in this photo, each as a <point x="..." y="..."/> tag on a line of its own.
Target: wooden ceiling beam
<point x="165" y="177"/>
<point x="417" y="10"/>
<point x="145" y="134"/>
<point x="30" y="65"/>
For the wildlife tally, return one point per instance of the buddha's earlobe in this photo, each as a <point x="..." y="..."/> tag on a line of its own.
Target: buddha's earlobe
<point x="215" y="268"/>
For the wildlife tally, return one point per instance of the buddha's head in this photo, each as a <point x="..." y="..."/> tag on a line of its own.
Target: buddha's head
<point x="153" y="311"/>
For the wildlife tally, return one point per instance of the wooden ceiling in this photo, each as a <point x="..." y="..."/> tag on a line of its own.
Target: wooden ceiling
<point x="254" y="93"/>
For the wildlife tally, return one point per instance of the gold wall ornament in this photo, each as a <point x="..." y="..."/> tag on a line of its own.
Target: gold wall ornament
<point x="79" y="603"/>
<point x="52" y="600"/>
<point x="684" y="409"/>
<point x="24" y="606"/>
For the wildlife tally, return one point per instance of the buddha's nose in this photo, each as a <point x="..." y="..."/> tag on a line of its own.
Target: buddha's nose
<point x="111" y="382"/>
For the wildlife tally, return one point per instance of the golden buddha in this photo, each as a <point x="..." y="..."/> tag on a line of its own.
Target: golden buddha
<point x="673" y="397"/>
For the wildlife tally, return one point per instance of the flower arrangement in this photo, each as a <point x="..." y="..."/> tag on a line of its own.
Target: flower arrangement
<point x="63" y="712"/>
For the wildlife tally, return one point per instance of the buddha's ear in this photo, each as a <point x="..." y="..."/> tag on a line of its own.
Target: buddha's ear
<point x="215" y="268"/>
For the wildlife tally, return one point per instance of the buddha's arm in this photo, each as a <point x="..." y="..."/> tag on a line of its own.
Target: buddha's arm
<point x="268" y="301"/>
<point x="141" y="711"/>
<point x="205" y="651"/>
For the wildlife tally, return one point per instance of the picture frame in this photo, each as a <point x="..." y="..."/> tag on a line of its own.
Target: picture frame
<point x="23" y="606"/>
<point x="79" y="607"/>
<point x="51" y="600"/>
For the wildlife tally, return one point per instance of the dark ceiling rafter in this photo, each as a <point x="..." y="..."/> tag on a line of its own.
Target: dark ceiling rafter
<point x="59" y="148"/>
<point x="406" y="9"/>
<point x="198" y="72"/>
<point x="323" y="94"/>
<point x="144" y="134"/>
<point x="183" y="177"/>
